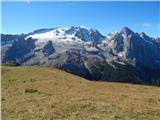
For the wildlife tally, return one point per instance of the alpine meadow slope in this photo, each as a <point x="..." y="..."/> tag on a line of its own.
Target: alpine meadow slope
<point x="42" y="93"/>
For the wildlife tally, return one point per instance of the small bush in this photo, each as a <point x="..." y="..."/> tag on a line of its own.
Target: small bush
<point x="11" y="81"/>
<point x="31" y="90"/>
<point x="2" y="99"/>
<point x="32" y="80"/>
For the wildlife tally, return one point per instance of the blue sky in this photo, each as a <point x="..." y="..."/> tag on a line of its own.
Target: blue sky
<point x="24" y="17"/>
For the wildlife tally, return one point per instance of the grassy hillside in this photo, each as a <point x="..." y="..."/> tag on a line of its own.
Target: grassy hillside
<point x="37" y="93"/>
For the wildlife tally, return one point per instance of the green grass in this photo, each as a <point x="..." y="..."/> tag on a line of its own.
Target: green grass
<point x="39" y="93"/>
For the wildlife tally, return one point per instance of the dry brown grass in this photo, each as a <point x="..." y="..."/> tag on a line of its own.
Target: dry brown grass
<point x="57" y="95"/>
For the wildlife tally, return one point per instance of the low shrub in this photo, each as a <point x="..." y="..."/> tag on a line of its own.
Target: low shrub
<point x="31" y="90"/>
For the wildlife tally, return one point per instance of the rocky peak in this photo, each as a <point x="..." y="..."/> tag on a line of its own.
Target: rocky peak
<point x="127" y="31"/>
<point x="144" y="36"/>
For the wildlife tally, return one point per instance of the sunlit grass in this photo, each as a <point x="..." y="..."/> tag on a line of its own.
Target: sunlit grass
<point x="39" y="93"/>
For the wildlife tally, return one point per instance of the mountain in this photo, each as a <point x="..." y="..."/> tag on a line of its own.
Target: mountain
<point x="77" y="34"/>
<point x="123" y="56"/>
<point x="139" y="50"/>
<point x="132" y="46"/>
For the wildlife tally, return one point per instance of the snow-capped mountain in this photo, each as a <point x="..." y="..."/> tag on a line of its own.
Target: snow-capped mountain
<point x="123" y="56"/>
<point x="74" y="34"/>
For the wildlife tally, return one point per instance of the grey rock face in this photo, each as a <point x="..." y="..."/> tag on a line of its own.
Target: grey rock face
<point x="8" y="39"/>
<point x="18" y="49"/>
<point x="85" y="34"/>
<point x="48" y="49"/>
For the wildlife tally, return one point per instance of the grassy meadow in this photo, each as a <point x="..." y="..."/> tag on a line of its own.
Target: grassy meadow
<point x="40" y="93"/>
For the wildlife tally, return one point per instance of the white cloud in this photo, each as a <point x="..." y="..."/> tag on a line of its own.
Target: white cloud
<point x="146" y="24"/>
<point x="28" y="1"/>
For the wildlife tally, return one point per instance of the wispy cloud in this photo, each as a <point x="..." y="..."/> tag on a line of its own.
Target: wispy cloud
<point x="146" y="24"/>
<point x="28" y="1"/>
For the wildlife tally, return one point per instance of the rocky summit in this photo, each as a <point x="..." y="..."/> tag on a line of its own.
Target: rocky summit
<point x="124" y="56"/>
